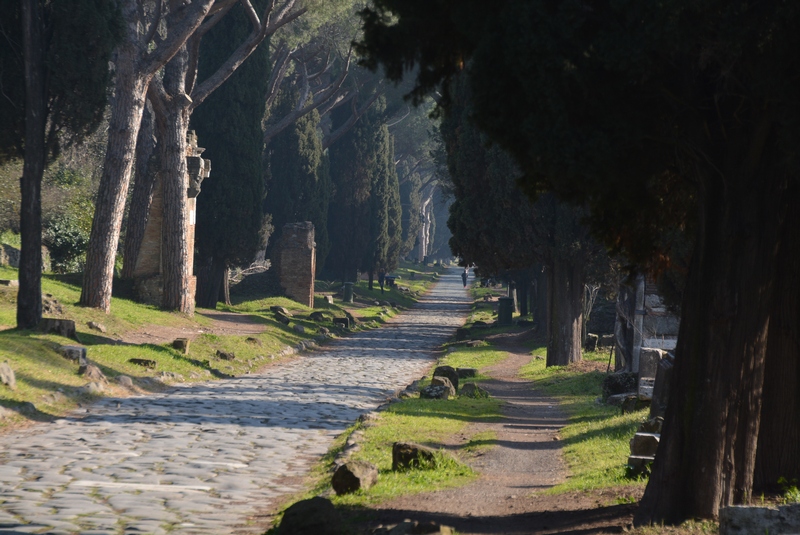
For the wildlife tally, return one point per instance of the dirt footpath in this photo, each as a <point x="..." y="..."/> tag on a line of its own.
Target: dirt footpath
<point x="525" y="458"/>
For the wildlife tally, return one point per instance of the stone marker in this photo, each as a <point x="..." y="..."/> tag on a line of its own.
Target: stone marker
<point x="471" y="390"/>
<point x="280" y="310"/>
<point x="644" y="444"/>
<point x="639" y="465"/>
<point x="619" y="383"/>
<point x="298" y="328"/>
<point x="65" y="328"/>
<point x="282" y="318"/>
<point x="7" y="376"/>
<point x="316" y="516"/>
<point x="407" y="455"/>
<point x="439" y="380"/>
<point x="475" y="343"/>
<point x="12" y="283"/>
<point x="342" y="322"/>
<point x="662" y="386"/>
<point x="329" y="299"/>
<point x="449" y="372"/>
<point x="317" y="316"/>
<point x="744" y="520"/>
<point x="96" y="326"/>
<point x="93" y="373"/>
<point x="653" y="425"/>
<point x="75" y="354"/>
<point x="354" y="475"/>
<point x="648" y="361"/>
<point x="435" y="392"/>
<point x="182" y="345"/>
<point x="606" y="340"/>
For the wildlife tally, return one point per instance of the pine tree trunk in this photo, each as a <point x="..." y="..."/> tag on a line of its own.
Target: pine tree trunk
<point x="174" y="112"/>
<point x="29" y="296"/>
<point x="565" y="302"/>
<point x="143" y="188"/>
<point x="540" y="299"/>
<point x="174" y="249"/>
<point x="126" y="116"/>
<point x="225" y="297"/>
<point x="707" y="452"/>
<point x="778" y="453"/>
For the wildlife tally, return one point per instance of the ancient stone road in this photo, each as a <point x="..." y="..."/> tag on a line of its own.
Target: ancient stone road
<point x="201" y="458"/>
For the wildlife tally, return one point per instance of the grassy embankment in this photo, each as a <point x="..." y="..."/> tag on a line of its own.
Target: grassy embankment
<point x="48" y="385"/>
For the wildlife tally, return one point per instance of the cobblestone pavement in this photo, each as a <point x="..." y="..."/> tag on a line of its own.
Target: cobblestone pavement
<point x="201" y="458"/>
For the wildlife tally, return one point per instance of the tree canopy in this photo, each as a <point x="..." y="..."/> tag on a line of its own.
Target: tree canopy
<point x="657" y="116"/>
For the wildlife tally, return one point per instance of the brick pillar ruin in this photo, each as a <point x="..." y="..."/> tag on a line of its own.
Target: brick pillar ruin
<point x="147" y="274"/>
<point x="296" y="262"/>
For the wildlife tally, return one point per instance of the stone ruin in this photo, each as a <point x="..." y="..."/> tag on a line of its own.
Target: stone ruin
<point x="296" y="262"/>
<point x="147" y="274"/>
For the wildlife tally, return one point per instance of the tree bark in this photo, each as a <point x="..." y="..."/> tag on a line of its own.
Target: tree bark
<point x="540" y="298"/>
<point x="778" y="453"/>
<point x="523" y="292"/>
<point x="143" y="188"/>
<point x="126" y="116"/>
<point x="29" y="296"/>
<point x="174" y="111"/>
<point x="707" y="452"/>
<point x="565" y="306"/>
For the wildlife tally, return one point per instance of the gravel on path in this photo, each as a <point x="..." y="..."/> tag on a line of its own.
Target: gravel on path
<point x="203" y="458"/>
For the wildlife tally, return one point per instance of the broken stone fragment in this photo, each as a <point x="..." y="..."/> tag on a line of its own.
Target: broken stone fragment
<point x="354" y="475"/>
<point x="407" y="455"/>
<point x="445" y="382"/>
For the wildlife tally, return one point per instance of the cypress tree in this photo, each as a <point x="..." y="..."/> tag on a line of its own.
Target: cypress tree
<point x="298" y="185"/>
<point x="228" y="124"/>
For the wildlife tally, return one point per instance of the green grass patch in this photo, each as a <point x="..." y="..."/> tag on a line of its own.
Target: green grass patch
<point x="422" y="421"/>
<point x="596" y="439"/>
<point x="473" y="357"/>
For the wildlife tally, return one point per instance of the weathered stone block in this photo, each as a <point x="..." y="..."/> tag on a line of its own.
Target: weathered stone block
<point x="639" y="465"/>
<point x="435" y="392"/>
<point x="619" y="383"/>
<point x="342" y="322"/>
<point x="65" y="328"/>
<point x="644" y="444"/>
<point x="648" y="361"/>
<point x="407" y="455"/>
<point x="591" y="342"/>
<point x="439" y="380"/>
<point x="354" y="475"/>
<point x="7" y="376"/>
<point x="661" y="388"/>
<point x="744" y="520"/>
<point x="449" y="372"/>
<point x="182" y="345"/>
<point x="76" y="354"/>
<point x="296" y="262"/>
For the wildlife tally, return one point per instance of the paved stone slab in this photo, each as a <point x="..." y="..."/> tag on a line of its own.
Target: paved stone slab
<point x="201" y="458"/>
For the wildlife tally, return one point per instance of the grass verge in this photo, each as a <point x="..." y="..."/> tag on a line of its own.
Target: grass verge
<point x="430" y="422"/>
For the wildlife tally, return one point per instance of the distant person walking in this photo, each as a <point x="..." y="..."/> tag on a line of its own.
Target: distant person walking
<point x="464" y="276"/>
<point x="381" y="278"/>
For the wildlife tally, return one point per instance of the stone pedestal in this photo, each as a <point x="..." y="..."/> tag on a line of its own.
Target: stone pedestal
<point x="296" y="262"/>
